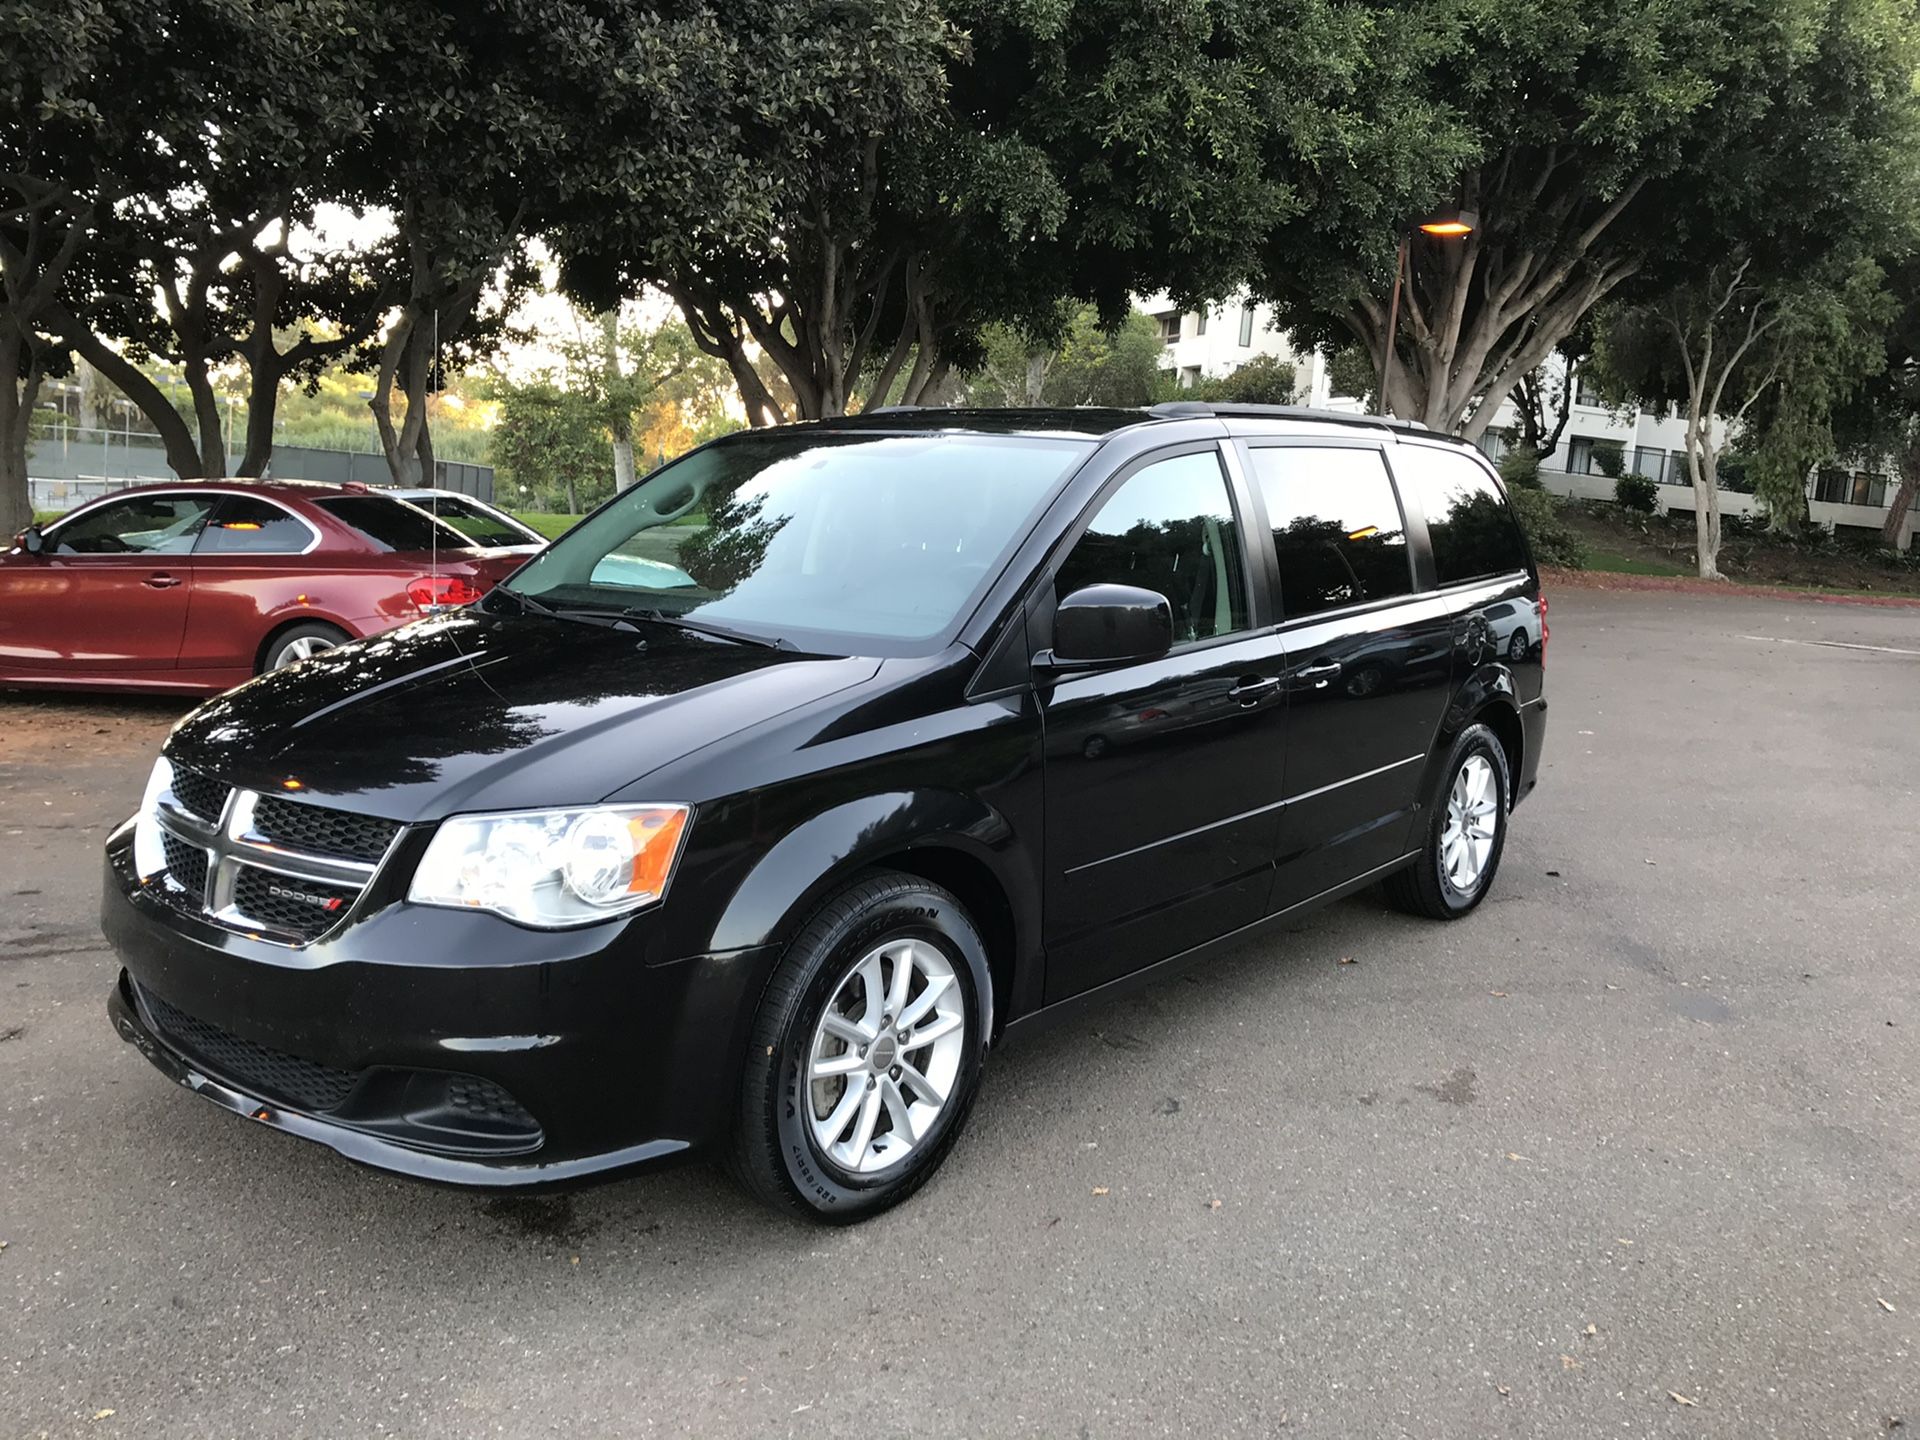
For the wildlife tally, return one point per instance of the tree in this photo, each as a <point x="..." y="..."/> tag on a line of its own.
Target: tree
<point x="1001" y="158"/>
<point x="1263" y="380"/>
<point x="210" y="261"/>
<point x="1880" y="417"/>
<point x="1086" y="363"/>
<point x="503" y="119"/>
<point x="552" y="443"/>
<point x="1719" y="347"/>
<point x="70" y="145"/>
<point x="626" y="368"/>
<point x="1543" y="397"/>
<point x="1607" y="147"/>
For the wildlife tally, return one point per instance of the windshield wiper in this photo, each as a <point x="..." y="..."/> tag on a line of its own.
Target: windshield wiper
<point x="708" y="627"/>
<point x="581" y="614"/>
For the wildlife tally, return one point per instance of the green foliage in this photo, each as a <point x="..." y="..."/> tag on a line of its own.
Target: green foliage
<point x="1090" y="365"/>
<point x="1351" y="370"/>
<point x="551" y="450"/>
<point x="1520" y="468"/>
<point x="1552" y="540"/>
<point x="1636" y="492"/>
<point x="1608" y="148"/>
<point x="1609" y="458"/>
<point x="1263" y="380"/>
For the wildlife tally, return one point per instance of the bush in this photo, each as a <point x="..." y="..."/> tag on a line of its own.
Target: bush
<point x="1520" y="468"/>
<point x="1637" y="492"/>
<point x="1553" y="541"/>
<point x="1610" y="459"/>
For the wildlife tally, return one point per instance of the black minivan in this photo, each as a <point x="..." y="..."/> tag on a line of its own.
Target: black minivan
<point x="747" y="816"/>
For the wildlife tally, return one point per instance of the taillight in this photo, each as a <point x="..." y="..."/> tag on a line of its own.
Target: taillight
<point x="1543" y="632"/>
<point x="431" y="593"/>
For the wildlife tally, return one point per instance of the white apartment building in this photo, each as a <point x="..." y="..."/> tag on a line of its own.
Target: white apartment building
<point x="1214" y="341"/>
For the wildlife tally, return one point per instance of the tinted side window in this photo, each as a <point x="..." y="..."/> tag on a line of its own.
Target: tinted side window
<point x="394" y="524"/>
<point x="245" y="526"/>
<point x="1336" y="527"/>
<point x="1169" y="528"/>
<point x="1473" y="532"/>
<point x="141" y="525"/>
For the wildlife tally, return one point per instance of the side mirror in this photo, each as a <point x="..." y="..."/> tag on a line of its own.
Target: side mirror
<point x="31" y="540"/>
<point x="1109" y="625"/>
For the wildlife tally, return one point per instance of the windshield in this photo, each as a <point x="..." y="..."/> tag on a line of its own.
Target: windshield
<point x="830" y="540"/>
<point x="480" y="526"/>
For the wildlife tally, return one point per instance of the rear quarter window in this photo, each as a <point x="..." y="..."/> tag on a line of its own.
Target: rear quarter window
<point x="1469" y="524"/>
<point x="393" y="524"/>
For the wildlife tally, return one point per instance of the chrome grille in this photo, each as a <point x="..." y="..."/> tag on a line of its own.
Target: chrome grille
<point x="286" y="871"/>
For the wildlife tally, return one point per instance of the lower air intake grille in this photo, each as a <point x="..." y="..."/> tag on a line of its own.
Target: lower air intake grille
<point x="304" y="1084"/>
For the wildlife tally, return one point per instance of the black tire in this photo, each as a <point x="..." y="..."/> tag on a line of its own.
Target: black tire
<point x="775" y="1155"/>
<point x="1425" y="887"/>
<point x="274" y="654"/>
<point x="1518" y="645"/>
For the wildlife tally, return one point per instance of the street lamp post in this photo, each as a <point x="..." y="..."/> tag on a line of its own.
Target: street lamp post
<point x="1442" y="225"/>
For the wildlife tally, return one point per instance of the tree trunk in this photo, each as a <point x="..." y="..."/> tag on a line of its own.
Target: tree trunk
<point x="206" y="414"/>
<point x="183" y="455"/>
<point x="1903" y="494"/>
<point x="259" y="451"/>
<point x="1703" y="461"/>
<point x="1037" y="361"/>
<point x="19" y="393"/>
<point x="623" y="476"/>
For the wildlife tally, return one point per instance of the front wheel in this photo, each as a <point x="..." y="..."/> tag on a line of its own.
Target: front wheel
<point x="865" y="1052"/>
<point x="1465" y="831"/>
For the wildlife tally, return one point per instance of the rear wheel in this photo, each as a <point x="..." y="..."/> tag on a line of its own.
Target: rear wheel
<point x="1465" y="833"/>
<point x="865" y="1053"/>
<point x="300" y="642"/>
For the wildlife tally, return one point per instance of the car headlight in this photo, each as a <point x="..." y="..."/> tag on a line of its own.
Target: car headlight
<point x="553" y="868"/>
<point x="149" y="854"/>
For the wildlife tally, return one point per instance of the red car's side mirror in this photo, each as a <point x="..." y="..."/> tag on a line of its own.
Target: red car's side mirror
<point x="31" y="540"/>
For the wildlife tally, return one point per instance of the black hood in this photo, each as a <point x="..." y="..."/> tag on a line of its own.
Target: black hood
<point x="473" y="711"/>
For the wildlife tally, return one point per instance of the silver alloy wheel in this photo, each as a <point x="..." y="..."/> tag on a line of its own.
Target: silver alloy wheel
<point x="1466" y="840"/>
<point x="303" y="648"/>
<point x="886" y="1055"/>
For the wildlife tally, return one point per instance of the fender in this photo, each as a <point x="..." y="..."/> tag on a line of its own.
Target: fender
<point x="818" y="854"/>
<point x="1489" y="684"/>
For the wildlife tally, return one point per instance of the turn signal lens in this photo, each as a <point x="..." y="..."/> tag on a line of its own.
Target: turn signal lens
<point x="432" y="593"/>
<point x="1543" y="632"/>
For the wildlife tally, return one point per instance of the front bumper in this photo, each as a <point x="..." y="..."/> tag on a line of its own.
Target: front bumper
<point x="438" y="1044"/>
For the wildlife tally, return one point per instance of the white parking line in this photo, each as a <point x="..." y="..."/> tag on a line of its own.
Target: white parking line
<point x="1831" y="644"/>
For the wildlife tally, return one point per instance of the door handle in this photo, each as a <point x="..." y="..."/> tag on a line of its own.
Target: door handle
<point x="160" y="580"/>
<point x="1320" y="674"/>
<point x="1249" y="691"/>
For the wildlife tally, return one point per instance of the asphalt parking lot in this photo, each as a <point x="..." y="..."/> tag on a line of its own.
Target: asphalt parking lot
<point x="1635" y="1150"/>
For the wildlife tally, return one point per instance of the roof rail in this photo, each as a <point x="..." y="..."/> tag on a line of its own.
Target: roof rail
<point x="895" y="409"/>
<point x="1191" y="409"/>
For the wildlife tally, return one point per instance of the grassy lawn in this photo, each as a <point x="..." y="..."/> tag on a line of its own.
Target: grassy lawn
<point x="547" y="523"/>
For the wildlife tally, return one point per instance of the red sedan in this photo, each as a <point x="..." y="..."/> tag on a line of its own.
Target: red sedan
<point x="198" y="586"/>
